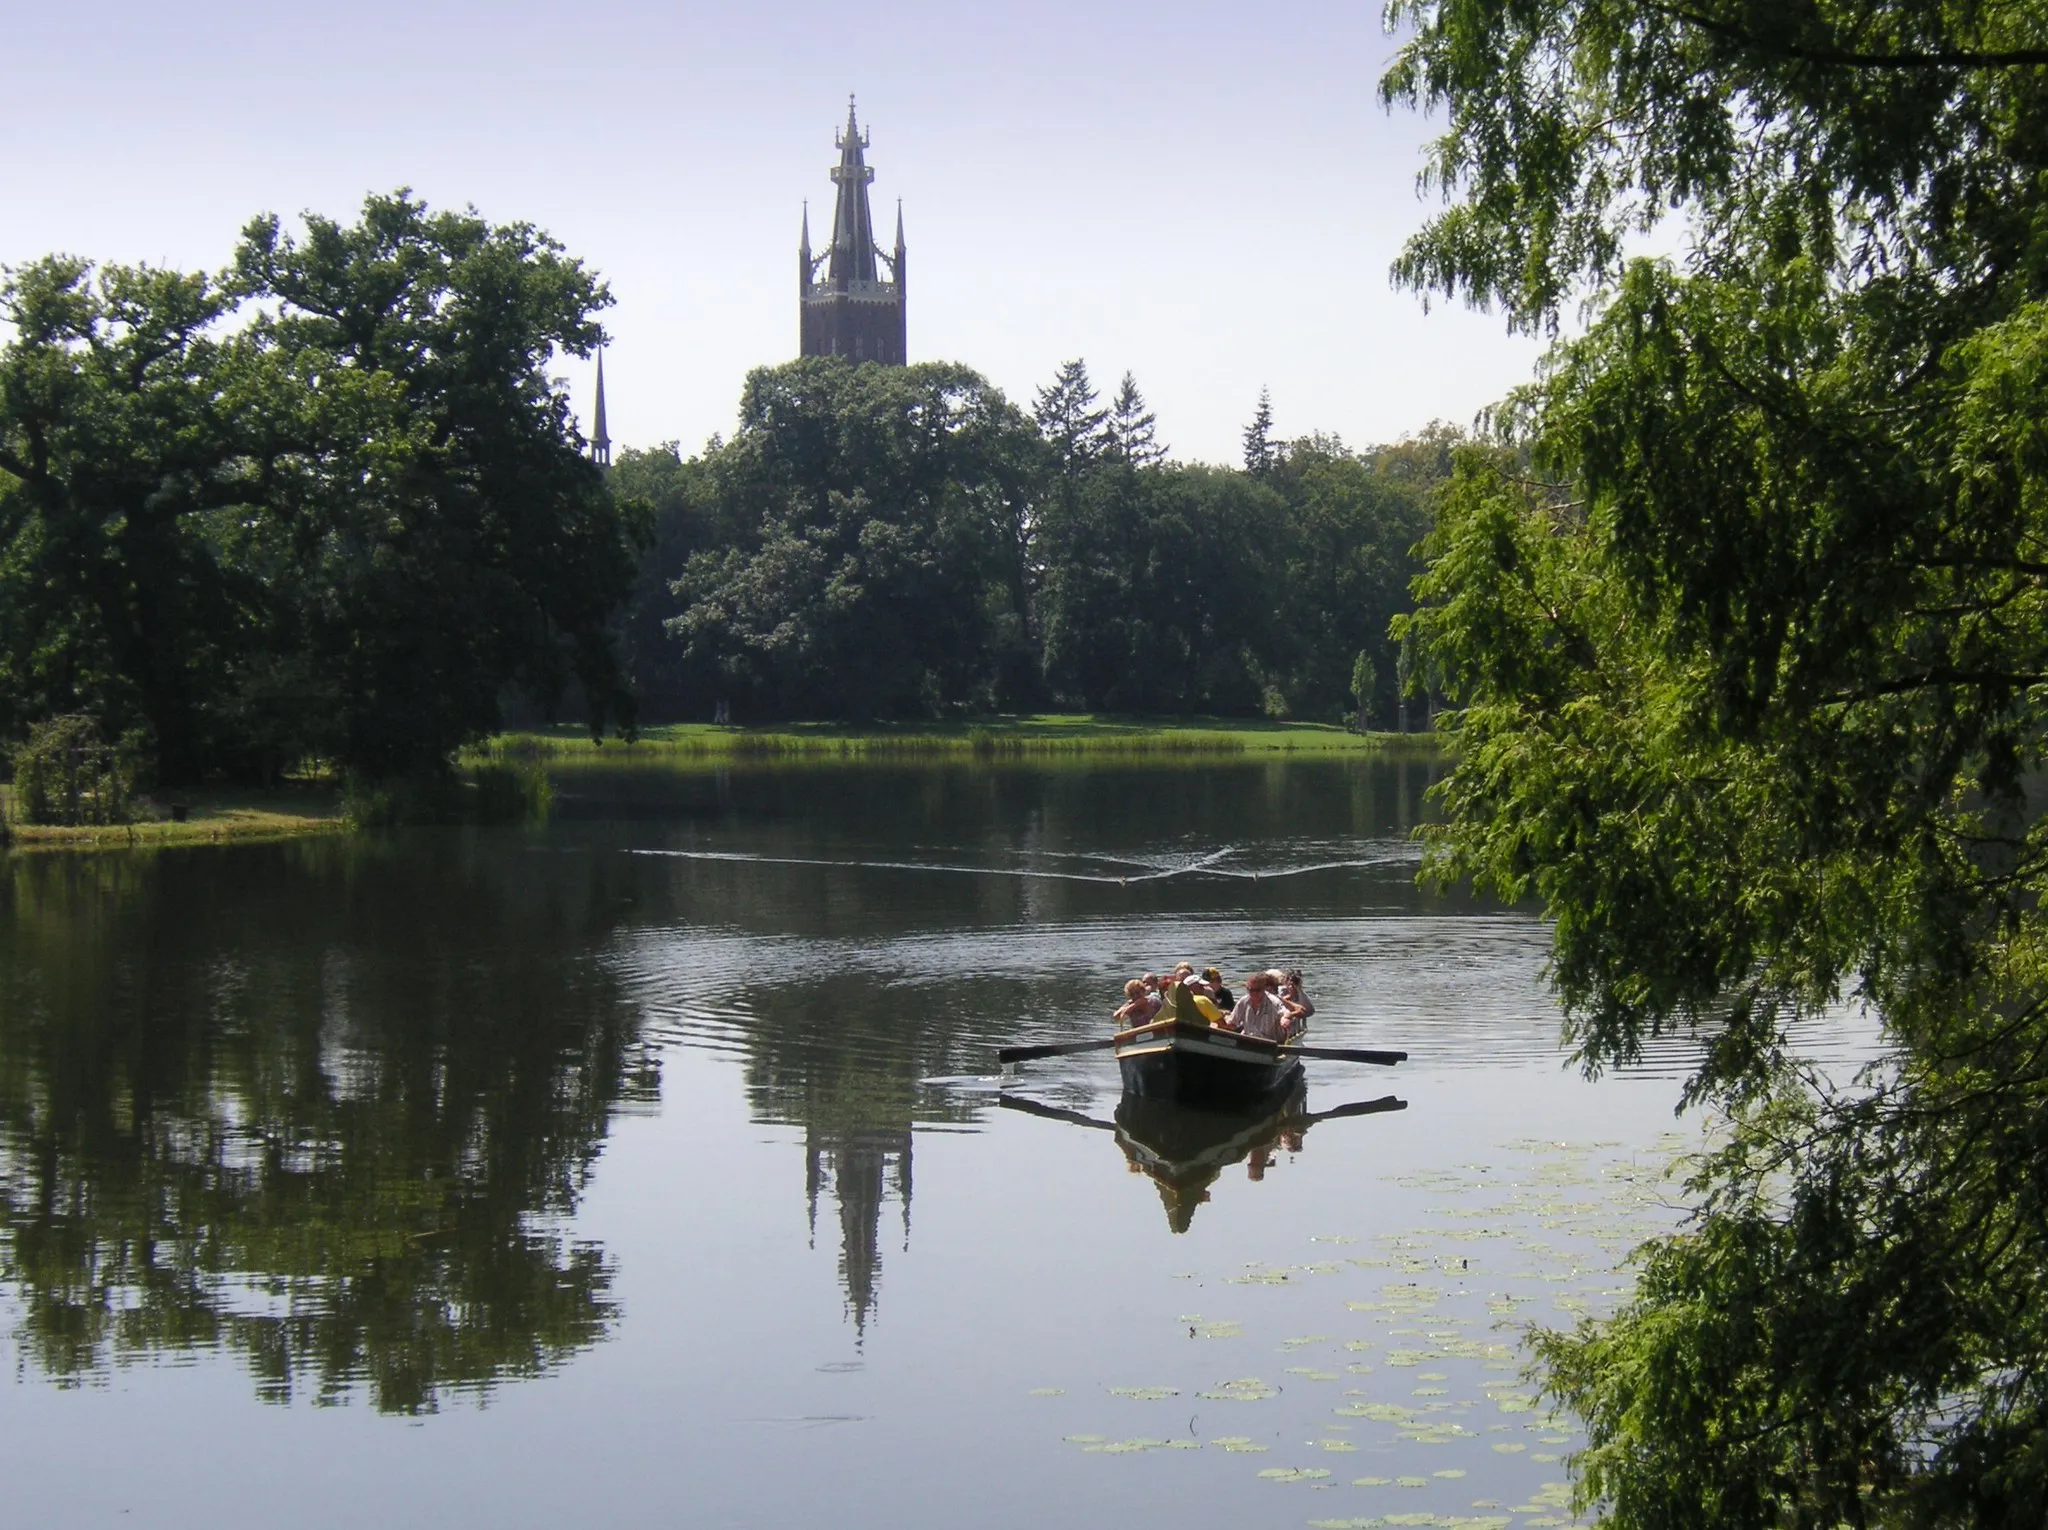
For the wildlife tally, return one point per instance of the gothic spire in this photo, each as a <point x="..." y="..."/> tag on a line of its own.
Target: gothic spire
<point x="853" y="227"/>
<point x="600" y="441"/>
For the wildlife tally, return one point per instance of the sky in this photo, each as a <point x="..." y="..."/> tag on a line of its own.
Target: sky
<point x="1205" y="195"/>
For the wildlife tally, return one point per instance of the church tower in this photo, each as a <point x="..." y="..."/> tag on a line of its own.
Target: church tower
<point x="846" y="308"/>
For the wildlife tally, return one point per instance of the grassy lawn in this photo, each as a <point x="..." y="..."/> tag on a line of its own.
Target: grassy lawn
<point x="212" y="817"/>
<point x="1044" y="735"/>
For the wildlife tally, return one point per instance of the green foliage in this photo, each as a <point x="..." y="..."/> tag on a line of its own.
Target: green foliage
<point x="877" y="567"/>
<point x="64" y="774"/>
<point x="495" y="789"/>
<point x="1154" y="596"/>
<point x="1072" y="422"/>
<point x="1747" y="633"/>
<point x="327" y="504"/>
<point x="1261" y="452"/>
<point x="900" y="542"/>
<point x="1364" y="683"/>
<point x="677" y="501"/>
<point x="483" y="551"/>
<point x="1133" y="429"/>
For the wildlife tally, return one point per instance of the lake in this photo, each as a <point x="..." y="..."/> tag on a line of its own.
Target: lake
<point x="652" y="1167"/>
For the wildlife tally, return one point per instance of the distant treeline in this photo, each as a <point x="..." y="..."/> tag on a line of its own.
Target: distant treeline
<point x="330" y="504"/>
<point x="878" y="542"/>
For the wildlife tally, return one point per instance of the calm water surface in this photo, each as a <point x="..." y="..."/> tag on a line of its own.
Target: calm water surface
<point x="653" y="1169"/>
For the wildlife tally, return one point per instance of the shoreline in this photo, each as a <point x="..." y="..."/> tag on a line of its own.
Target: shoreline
<point x="1045" y="737"/>
<point x="215" y="817"/>
<point x="218" y="816"/>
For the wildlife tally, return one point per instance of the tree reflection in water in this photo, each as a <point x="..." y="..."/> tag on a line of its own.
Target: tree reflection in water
<point x="345" y="1153"/>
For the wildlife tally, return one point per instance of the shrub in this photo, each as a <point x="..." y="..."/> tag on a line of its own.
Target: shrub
<point x="65" y="774"/>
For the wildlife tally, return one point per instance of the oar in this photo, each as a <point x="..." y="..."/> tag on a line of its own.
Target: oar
<point x="1346" y="1054"/>
<point x="1056" y="1049"/>
<point x="1359" y="1108"/>
<point x="1052" y="1112"/>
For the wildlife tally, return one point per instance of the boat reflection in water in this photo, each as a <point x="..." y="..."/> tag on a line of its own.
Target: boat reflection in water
<point x="1183" y="1150"/>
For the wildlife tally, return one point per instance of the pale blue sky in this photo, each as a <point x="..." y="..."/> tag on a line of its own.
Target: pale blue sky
<point x="1206" y="194"/>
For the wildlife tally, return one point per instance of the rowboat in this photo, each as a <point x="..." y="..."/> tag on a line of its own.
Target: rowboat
<point x="1190" y="1062"/>
<point x="1185" y="1058"/>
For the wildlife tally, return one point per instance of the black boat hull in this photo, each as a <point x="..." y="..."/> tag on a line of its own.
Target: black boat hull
<point x="1207" y="1068"/>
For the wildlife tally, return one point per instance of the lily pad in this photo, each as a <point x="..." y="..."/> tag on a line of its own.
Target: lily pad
<point x="1122" y="1447"/>
<point x="1243" y="1389"/>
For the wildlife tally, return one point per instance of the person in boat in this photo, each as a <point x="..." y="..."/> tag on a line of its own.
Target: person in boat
<point x="1225" y="1000"/>
<point x="1140" y="1003"/>
<point x="1293" y="1000"/>
<point x="1260" y="1013"/>
<point x="1202" y="990"/>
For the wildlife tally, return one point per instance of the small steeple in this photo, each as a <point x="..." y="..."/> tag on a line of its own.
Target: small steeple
<point x="896" y="271"/>
<point x="600" y="441"/>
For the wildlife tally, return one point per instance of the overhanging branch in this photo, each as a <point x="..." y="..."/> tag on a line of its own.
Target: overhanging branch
<point x="1843" y="58"/>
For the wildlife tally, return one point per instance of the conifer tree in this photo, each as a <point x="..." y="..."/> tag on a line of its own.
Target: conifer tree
<point x="1133" y="429"/>
<point x="1260" y="452"/>
<point x="1070" y="419"/>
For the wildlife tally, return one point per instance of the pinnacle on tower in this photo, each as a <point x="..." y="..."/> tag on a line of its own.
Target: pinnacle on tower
<point x="853" y="226"/>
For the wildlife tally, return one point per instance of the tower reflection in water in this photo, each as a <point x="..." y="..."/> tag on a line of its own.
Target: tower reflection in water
<point x="1183" y="1151"/>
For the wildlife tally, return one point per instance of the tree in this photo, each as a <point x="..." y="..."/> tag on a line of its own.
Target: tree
<point x="1747" y="639"/>
<point x="878" y="567"/>
<point x="119" y="490"/>
<point x="678" y="501"/>
<point x="1141" y="606"/>
<point x="1346" y="558"/>
<point x="330" y="503"/>
<point x="1067" y="414"/>
<point x="489" y="554"/>
<point x="1260" y="452"/>
<point x="1133" y="430"/>
<point x="1364" y="684"/>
